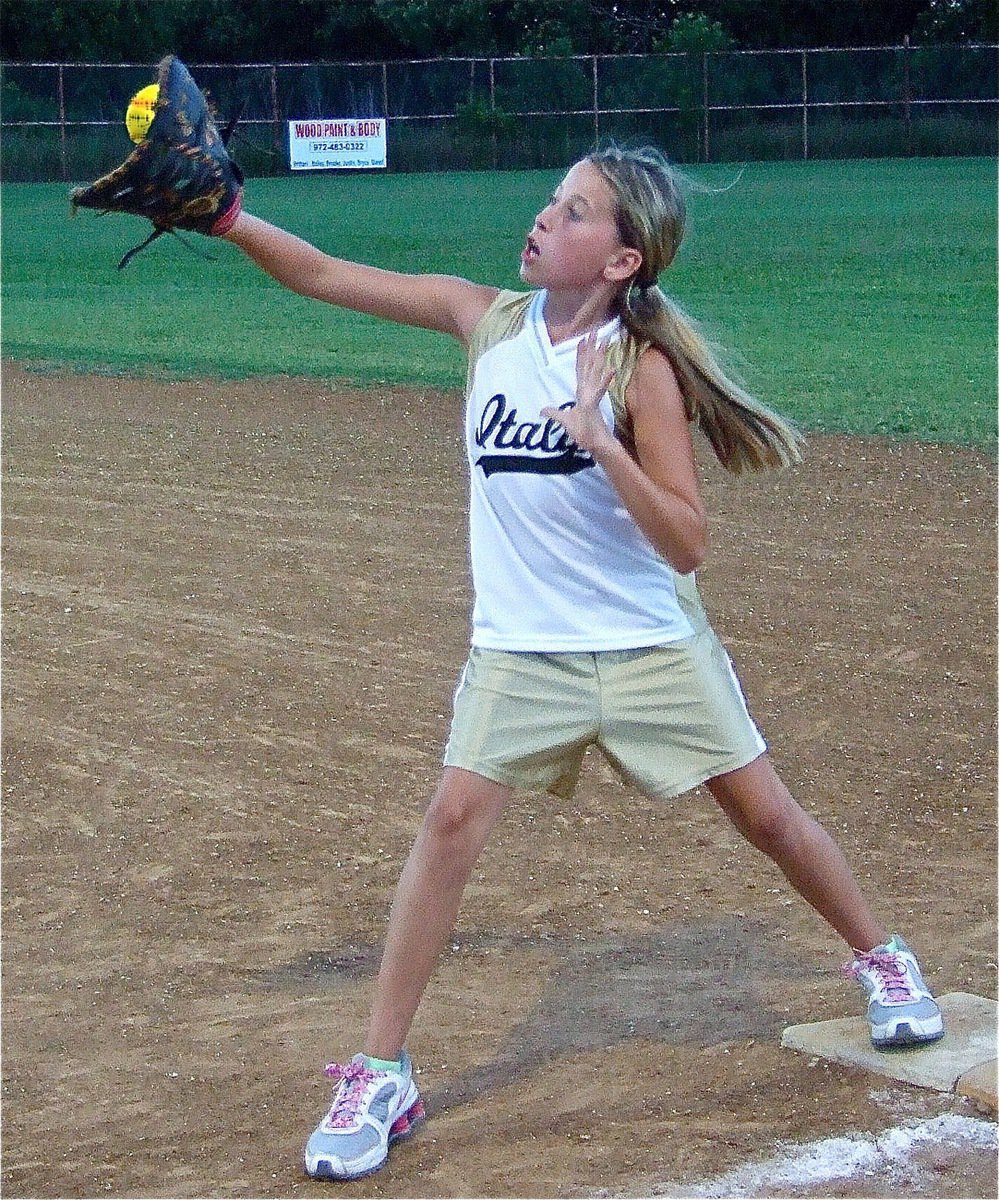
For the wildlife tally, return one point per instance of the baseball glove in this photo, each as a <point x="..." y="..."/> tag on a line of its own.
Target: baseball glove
<point x="180" y="175"/>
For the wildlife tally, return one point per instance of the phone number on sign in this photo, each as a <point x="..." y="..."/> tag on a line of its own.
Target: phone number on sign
<point x="336" y="147"/>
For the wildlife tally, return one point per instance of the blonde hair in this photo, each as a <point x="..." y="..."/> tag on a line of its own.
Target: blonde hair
<point x="651" y="213"/>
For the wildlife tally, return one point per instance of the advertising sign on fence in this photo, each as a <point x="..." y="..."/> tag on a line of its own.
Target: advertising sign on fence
<point x="332" y="143"/>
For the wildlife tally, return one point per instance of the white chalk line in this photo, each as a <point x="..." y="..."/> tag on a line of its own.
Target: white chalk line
<point x="840" y="1158"/>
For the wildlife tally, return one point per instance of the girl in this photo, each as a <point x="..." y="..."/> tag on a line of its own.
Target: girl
<point x="586" y="526"/>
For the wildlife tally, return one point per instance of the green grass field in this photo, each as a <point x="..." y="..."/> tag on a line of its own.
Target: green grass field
<point x="855" y="296"/>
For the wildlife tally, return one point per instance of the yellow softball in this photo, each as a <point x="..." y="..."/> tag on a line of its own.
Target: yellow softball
<point x="140" y="112"/>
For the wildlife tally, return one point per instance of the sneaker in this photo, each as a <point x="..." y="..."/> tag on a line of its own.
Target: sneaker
<point x="370" y="1110"/>
<point x="901" y="1010"/>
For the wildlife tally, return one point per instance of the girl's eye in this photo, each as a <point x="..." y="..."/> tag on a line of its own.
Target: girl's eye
<point x="575" y="214"/>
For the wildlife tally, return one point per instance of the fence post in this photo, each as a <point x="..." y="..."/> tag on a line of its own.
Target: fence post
<point x="596" y="105"/>
<point x="274" y="110"/>
<point x="385" y="111"/>
<point x="62" y="126"/>
<point x="907" y="93"/>
<point x="704" y="105"/>
<point x="804" y="104"/>
<point x="492" y="110"/>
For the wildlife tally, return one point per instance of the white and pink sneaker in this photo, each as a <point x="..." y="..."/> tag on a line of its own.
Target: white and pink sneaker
<point x="900" y="1008"/>
<point x="370" y="1110"/>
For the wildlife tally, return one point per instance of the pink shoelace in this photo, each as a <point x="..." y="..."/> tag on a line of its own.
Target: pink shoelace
<point x="890" y="972"/>
<point x="354" y="1079"/>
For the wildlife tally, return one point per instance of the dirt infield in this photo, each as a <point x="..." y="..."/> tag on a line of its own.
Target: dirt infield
<point x="233" y="618"/>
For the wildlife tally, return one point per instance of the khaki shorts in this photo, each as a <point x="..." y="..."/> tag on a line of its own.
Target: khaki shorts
<point x="666" y="717"/>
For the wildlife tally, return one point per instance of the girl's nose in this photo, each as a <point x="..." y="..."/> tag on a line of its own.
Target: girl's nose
<point x="541" y="220"/>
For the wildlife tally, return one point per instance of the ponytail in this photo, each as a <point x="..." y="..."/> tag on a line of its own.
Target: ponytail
<point x="744" y="433"/>
<point x="651" y="214"/>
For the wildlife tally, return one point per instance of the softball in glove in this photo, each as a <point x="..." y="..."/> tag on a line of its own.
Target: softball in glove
<point x="180" y="176"/>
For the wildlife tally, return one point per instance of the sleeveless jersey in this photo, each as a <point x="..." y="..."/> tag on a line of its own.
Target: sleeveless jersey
<point x="558" y="563"/>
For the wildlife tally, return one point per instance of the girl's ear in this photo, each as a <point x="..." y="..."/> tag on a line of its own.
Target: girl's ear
<point x="623" y="265"/>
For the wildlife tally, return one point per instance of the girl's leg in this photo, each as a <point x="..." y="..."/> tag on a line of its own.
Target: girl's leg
<point x="767" y="815"/>
<point x="457" y="824"/>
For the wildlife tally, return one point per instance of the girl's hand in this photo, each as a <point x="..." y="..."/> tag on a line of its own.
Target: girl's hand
<point x="584" y="423"/>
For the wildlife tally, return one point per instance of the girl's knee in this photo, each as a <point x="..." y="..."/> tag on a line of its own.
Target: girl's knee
<point x="448" y="815"/>
<point x="760" y="806"/>
<point x="774" y="822"/>
<point x="462" y="804"/>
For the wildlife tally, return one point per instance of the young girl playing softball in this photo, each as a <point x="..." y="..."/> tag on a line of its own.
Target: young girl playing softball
<point x="586" y="526"/>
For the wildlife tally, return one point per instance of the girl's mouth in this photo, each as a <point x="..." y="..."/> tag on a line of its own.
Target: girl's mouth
<point x="531" y="250"/>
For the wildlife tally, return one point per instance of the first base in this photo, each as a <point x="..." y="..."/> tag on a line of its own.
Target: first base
<point x="970" y="1025"/>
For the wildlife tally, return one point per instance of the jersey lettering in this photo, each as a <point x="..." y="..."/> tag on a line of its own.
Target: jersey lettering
<point x="552" y="451"/>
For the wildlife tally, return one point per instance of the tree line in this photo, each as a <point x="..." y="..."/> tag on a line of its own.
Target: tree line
<point x="339" y="30"/>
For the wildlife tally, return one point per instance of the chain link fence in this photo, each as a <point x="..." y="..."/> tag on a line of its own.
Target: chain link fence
<point x="64" y="121"/>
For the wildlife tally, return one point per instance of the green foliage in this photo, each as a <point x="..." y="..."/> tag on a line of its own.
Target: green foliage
<point x="19" y="105"/>
<point x="695" y="33"/>
<point x="265" y="31"/>
<point x="477" y="120"/>
<point x="958" y="21"/>
<point x="860" y="296"/>
<point x="692" y="34"/>
<point x="426" y="25"/>
<point x="480" y="128"/>
<point x="550" y="46"/>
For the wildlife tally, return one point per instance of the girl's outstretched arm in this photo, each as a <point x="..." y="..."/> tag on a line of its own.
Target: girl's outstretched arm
<point x="441" y="302"/>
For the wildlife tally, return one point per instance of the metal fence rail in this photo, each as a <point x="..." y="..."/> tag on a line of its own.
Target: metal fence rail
<point x="62" y="119"/>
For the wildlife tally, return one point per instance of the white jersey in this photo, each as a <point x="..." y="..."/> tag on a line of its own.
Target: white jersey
<point x="558" y="563"/>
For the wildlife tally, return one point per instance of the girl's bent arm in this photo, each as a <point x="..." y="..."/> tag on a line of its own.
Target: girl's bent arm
<point x="660" y="489"/>
<point x="441" y="302"/>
